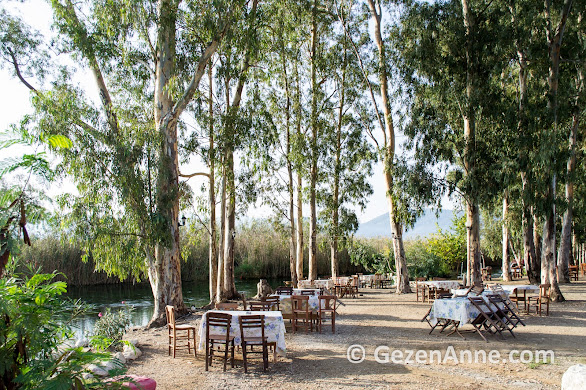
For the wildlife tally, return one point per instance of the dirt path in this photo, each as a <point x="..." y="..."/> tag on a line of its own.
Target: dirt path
<point x="379" y="318"/>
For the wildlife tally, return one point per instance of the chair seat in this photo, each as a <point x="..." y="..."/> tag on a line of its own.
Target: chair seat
<point x="184" y="327"/>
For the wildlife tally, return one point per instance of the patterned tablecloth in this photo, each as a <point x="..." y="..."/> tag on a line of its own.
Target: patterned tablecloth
<point x="512" y="288"/>
<point x="285" y="303"/>
<point x="444" y="284"/>
<point x="274" y="328"/>
<point x="318" y="283"/>
<point x="456" y="309"/>
<point x="297" y="291"/>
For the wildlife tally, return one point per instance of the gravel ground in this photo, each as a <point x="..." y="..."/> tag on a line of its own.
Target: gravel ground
<point x="380" y="318"/>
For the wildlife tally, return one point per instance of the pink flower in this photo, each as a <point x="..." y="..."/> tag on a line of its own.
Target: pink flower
<point x="123" y="302"/>
<point x="99" y="314"/>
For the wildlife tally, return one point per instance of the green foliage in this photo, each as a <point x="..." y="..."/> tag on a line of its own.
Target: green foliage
<point x="32" y="353"/>
<point x="450" y="246"/>
<point x="422" y="262"/>
<point x="367" y="256"/>
<point x="110" y="328"/>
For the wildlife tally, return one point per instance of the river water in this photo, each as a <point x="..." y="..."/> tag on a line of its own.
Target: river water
<point x="141" y="298"/>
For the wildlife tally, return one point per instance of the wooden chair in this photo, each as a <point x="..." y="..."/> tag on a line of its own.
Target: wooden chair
<point x="583" y="269"/>
<point x="250" y="325"/>
<point x="539" y="301"/>
<point x="173" y="328"/>
<point x="307" y="292"/>
<point x="326" y="306"/>
<point x="487" y="273"/>
<point x="420" y="289"/>
<point x="227" y="306"/>
<point x="573" y="272"/>
<point x="300" y="309"/>
<point x="486" y="320"/>
<point x="505" y="310"/>
<point x="259" y="305"/>
<point x="219" y="320"/>
<point x="284" y="290"/>
<point x="440" y="322"/>
<point x="274" y="301"/>
<point x="477" y="289"/>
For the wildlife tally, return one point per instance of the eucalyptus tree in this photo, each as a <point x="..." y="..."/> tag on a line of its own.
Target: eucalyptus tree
<point x="146" y="65"/>
<point x="348" y="159"/>
<point x="577" y="66"/>
<point x="447" y="52"/>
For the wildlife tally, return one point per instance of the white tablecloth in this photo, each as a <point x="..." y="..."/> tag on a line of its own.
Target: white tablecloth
<point x="512" y="288"/>
<point x="297" y="291"/>
<point x="444" y="284"/>
<point x="285" y="303"/>
<point x="318" y="283"/>
<point x="274" y="328"/>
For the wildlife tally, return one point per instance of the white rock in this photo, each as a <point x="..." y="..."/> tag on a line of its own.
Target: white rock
<point x="133" y="342"/>
<point x="87" y="376"/>
<point x="99" y="371"/>
<point x="575" y="378"/>
<point x="112" y="365"/>
<point x="120" y="357"/>
<point x="131" y="353"/>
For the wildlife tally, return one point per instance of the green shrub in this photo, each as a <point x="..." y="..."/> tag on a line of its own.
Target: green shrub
<point x="110" y="328"/>
<point x="33" y="353"/>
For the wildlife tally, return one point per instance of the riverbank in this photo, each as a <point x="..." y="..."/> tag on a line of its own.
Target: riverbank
<point x="318" y="361"/>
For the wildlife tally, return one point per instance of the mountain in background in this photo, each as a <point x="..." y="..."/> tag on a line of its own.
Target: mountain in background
<point x="426" y="224"/>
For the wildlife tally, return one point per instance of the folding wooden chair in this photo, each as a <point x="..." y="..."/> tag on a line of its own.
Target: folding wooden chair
<point x="505" y="309"/>
<point x="486" y="320"/>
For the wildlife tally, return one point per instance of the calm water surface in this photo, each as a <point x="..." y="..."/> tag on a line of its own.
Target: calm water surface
<point x="141" y="298"/>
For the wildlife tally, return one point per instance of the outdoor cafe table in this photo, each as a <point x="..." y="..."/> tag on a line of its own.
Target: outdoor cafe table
<point x="443" y="284"/>
<point x="274" y="328"/>
<point x="285" y="303"/>
<point x="459" y="311"/>
<point x="318" y="283"/>
<point x="516" y="288"/>
<point x="297" y="291"/>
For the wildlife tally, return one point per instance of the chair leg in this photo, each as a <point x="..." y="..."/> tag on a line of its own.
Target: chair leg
<point x="225" y="356"/>
<point x="244" y="359"/>
<point x="174" y="342"/>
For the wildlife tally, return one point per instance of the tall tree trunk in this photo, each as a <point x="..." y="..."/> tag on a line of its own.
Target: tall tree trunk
<point x="565" y="251"/>
<point x="389" y="155"/>
<point x="506" y="263"/>
<point x="530" y="258"/>
<point x="472" y="209"/>
<point x="290" y="183"/>
<point x="299" y="230"/>
<point x="312" y="274"/>
<point x="554" y="40"/>
<point x="230" y="233"/>
<point x="165" y="273"/>
<point x="299" y="255"/>
<point x="220" y="294"/>
<point x="213" y="253"/>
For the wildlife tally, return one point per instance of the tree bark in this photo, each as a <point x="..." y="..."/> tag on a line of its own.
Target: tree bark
<point x="299" y="256"/>
<point x="389" y="155"/>
<point x="213" y="252"/>
<point x="548" y="268"/>
<point x="312" y="274"/>
<point x="565" y="250"/>
<point x="220" y="294"/>
<point x="506" y="263"/>
<point x="290" y="183"/>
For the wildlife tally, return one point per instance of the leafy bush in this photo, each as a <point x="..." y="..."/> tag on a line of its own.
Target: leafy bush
<point x="422" y="262"/>
<point x="365" y="255"/>
<point x="450" y="246"/>
<point x="33" y="354"/>
<point x="110" y="328"/>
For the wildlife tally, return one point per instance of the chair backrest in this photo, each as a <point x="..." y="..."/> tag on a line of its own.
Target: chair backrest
<point x="439" y="278"/>
<point x="327" y="302"/>
<point x="259" y="305"/>
<point x="170" y="312"/>
<point x="300" y="302"/>
<point x="477" y="289"/>
<point x="285" y="290"/>
<point x="544" y="290"/>
<point x="272" y="299"/>
<point x="421" y="279"/>
<point x="218" y="320"/>
<point x="307" y="292"/>
<point x="250" y="324"/>
<point x="227" y="306"/>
